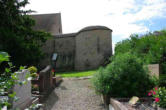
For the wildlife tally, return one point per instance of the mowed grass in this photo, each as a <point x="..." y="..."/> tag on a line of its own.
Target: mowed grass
<point x="76" y="73"/>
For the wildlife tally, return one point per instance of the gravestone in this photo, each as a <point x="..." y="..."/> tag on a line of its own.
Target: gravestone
<point x="23" y="92"/>
<point x="154" y="69"/>
<point x="4" y="108"/>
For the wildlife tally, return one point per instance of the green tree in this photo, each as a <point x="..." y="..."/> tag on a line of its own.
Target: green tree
<point x="17" y="36"/>
<point x="151" y="48"/>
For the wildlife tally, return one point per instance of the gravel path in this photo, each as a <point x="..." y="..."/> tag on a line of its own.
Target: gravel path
<point x="74" y="94"/>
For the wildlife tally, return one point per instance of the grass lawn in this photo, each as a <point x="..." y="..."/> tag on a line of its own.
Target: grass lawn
<point x="76" y="73"/>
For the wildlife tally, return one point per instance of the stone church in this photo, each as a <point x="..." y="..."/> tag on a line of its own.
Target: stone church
<point x="87" y="49"/>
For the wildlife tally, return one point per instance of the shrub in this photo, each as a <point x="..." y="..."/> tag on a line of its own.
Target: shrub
<point x="159" y="95"/>
<point x="124" y="77"/>
<point x="33" y="71"/>
<point x="162" y="80"/>
<point x="101" y="81"/>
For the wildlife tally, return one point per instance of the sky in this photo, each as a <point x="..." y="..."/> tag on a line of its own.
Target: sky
<point x="124" y="17"/>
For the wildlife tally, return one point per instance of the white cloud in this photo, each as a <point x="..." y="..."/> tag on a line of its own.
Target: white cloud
<point x="151" y="9"/>
<point x="119" y="15"/>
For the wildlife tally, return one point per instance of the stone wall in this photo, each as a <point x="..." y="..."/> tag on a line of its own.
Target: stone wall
<point x="50" y="23"/>
<point x="93" y="48"/>
<point x="48" y="50"/>
<point x="87" y="49"/>
<point x="65" y="48"/>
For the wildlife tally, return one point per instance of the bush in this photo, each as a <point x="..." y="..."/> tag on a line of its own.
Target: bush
<point x="162" y="80"/>
<point x="124" y="77"/>
<point x="33" y="71"/>
<point x="101" y="81"/>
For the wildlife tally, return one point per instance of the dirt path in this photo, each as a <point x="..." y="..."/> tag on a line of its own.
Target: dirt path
<point x="74" y="94"/>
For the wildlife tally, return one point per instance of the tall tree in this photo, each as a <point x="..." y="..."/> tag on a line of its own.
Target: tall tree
<point x="17" y="36"/>
<point x="151" y="48"/>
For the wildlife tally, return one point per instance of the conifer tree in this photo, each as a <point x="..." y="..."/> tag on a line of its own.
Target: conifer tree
<point x="17" y="36"/>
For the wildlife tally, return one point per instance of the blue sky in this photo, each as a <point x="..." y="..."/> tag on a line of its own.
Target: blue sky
<point x="154" y="23"/>
<point x="124" y="17"/>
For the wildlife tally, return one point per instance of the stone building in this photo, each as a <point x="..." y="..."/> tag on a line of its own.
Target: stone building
<point x="87" y="49"/>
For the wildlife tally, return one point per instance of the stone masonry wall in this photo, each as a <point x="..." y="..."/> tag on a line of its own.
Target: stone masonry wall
<point x="48" y="50"/>
<point x="92" y="48"/>
<point x="49" y="23"/>
<point x="87" y="49"/>
<point x="65" y="48"/>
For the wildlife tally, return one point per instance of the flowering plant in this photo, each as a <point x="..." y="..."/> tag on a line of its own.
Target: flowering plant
<point x="53" y="72"/>
<point x="159" y="95"/>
